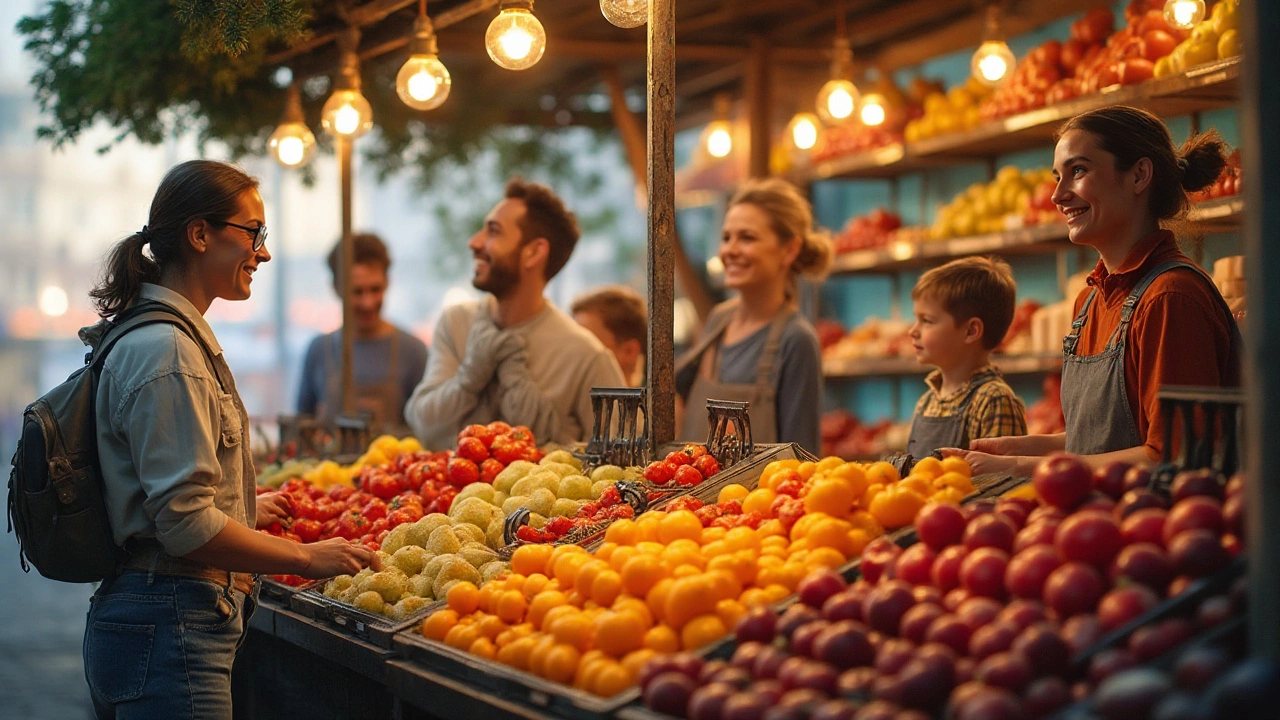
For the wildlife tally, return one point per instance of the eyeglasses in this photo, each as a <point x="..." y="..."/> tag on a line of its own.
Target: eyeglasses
<point x="259" y="234"/>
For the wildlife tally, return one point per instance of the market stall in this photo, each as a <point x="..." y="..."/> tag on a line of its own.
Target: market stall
<point x="717" y="580"/>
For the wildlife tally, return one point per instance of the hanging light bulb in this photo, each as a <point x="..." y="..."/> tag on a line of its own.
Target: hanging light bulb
<point x="993" y="61"/>
<point x="423" y="81"/>
<point x="292" y="144"/>
<point x="872" y="110"/>
<point x="1183" y="14"/>
<point x="515" y="39"/>
<point x="717" y="136"/>
<point x="625" y="13"/>
<point x="346" y="113"/>
<point x="839" y="97"/>
<point x="803" y="130"/>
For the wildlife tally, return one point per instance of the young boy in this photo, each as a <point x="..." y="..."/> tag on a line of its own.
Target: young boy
<point x="962" y="311"/>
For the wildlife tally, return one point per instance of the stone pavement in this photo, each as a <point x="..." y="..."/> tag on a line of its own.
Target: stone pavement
<point x="41" y="630"/>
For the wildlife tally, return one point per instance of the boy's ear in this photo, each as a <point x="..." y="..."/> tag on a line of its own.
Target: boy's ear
<point x="973" y="330"/>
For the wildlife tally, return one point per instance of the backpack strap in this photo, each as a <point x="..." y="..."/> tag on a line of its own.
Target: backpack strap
<point x="148" y="313"/>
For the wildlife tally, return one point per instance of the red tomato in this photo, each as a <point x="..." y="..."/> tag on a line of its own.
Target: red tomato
<point x="1157" y="44"/>
<point x="506" y="450"/>
<point x="378" y="526"/>
<point x="462" y="472"/>
<point x="688" y="476"/>
<point x="694" y="450"/>
<point x="340" y="492"/>
<point x="374" y="510"/>
<point x="483" y="433"/>
<point x="303" y="507"/>
<point x="489" y="469"/>
<point x="522" y="434"/>
<point x="1136" y="70"/>
<point x="473" y="449"/>
<point x="380" y="483"/>
<point x="497" y="427"/>
<point x="676" y="457"/>
<point x="307" y="529"/>
<point x="1096" y="25"/>
<point x="659" y="472"/>
<point x="352" y="525"/>
<point x="707" y="465"/>
<point x="1071" y="55"/>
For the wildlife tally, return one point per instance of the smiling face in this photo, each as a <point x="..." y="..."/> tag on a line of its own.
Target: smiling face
<point x="229" y="261"/>
<point x="368" y="286"/>
<point x="498" y="249"/>
<point x="754" y="256"/>
<point x="936" y="336"/>
<point x="1100" y="203"/>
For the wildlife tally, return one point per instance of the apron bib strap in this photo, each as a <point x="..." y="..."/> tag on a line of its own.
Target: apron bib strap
<point x="1069" y="342"/>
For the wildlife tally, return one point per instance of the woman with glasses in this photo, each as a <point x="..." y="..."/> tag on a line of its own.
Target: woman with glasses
<point x="173" y="444"/>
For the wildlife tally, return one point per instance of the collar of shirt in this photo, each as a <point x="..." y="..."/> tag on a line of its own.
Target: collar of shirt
<point x="185" y="309"/>
<point x="934" y="381"/>
<point x="1149" y="252"/>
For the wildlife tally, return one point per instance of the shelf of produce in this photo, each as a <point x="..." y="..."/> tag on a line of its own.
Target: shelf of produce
<point x="836" y="369"/>
<point x="1205" y="87"/>
<point x="1216" y="215"/>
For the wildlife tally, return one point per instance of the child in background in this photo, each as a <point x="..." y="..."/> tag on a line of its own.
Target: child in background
<point x="616" y="315"/>
<point x="962" y="312"/>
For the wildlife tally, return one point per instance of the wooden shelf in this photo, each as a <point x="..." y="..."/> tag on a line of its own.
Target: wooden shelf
<point x="1205" y="87"/>
<point x="1218" y="215"/>
<point x="835" y="369"/>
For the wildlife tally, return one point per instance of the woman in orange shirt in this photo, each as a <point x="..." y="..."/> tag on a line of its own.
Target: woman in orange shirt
<point x="1149" y="316"/>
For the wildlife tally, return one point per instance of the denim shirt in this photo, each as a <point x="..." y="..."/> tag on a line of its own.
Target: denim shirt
<point x="172" y="436"/>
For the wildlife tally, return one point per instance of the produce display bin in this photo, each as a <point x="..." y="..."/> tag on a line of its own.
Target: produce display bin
<point x="273" y="589"/>
<point x="373" y="628"/>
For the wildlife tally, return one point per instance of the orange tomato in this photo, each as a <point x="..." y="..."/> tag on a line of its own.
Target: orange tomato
<point x="702" y="631"/>
<point x="463" y="598"/>
<point x="662" y="639"/>
<point x="832" y="497"/>
<point x="606" y="587"/>
<point x="439" y="623"/>
<point x="618" y="633"/>
<point x="512" y="606"/>
<point x="543" y="602"/>
<point x="641" y="573"/>
<point x="560" y="663"/>
<point x="897" y="507"/>
<point x="530" y="559"/>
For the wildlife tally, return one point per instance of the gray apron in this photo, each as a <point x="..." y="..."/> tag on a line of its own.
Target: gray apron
<point x="930" y="433"/>
<point x="1095" y="400"/>
<point x="761" y="394"/>
<point x="379" y="400"/>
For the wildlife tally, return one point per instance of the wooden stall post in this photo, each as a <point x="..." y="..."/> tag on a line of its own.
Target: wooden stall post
<point x="348" y="260"/>
<point x="1261" y="149"/>
<point x="662" y="221"/>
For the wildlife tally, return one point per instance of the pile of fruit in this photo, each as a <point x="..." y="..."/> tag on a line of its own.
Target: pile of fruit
<point x="955" y="111"/>
<point x="680" y="578"/>
<point x="421" y="561"/>
<point x="1014" y="199"/>
<point x="873" y="230"/>
<point x="873" y="338"/>
<point x="846" y="435"/>
<point x="984" y="615"/>
<point x="593" y="515"/>
<point x="854" y="137"/>
<point x="1217" y="37"/>
<point x="1227" y="184"/>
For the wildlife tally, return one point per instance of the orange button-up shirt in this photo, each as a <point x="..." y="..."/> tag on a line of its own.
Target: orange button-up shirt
<point x="1180" y="333"/>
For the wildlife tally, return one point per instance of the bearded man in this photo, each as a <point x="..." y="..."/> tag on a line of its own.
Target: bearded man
<point x="513" y="356"/>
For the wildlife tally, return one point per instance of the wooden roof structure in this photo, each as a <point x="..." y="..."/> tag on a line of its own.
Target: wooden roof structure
<point x="775" y="51"/>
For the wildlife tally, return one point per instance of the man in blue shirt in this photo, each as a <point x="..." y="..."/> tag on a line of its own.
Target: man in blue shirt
<point x="389" y="362"/>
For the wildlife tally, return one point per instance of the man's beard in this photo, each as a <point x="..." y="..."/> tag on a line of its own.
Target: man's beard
<point x="501" y="278"/>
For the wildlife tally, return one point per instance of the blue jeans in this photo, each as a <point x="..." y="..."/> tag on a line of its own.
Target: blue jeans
<point x="162" y="646"/>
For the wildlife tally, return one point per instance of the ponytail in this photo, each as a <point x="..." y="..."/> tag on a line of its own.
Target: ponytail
<point x="190" y="191"/>
<point x="814" y="260"/>
<point x="1201" y="160"/>
<point x="127" y="267"/>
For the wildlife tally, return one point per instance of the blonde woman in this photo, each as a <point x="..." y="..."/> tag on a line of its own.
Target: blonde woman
<point x="758" y="347"/>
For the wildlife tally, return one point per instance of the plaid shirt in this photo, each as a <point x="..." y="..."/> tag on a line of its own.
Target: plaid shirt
<point x="994" y="410"/>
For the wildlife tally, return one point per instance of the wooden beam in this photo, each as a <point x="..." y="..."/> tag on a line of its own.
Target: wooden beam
<point x="758" y="105"/>
<point x="738" y="10"/>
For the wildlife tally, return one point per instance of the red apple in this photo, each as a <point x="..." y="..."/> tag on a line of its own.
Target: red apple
<point x="1062" y="480"/>
<point x="940" y="525"/>
<point x="945" y="573"/>
<point x="819" y="585"/>
<point x="1073" y="588"/>
<point x="1044" y="648"/>
<point x="1028" y="570"/>
<point x="915" y="623"/>
<point x="1194" y="513"/>
<point x="990" y="530"/>
<point x="915" y="564"/>
<point x="1091" y="537"/>
<point x="1122" y="605"/>
<point x="1198" y="553"/>
<point x="884" y="606"/>
<point x="982" y="571"/>
<point x="1110" y="479"/>
<point x="1145" y="563"/>
<point x="1144" y="526"/>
